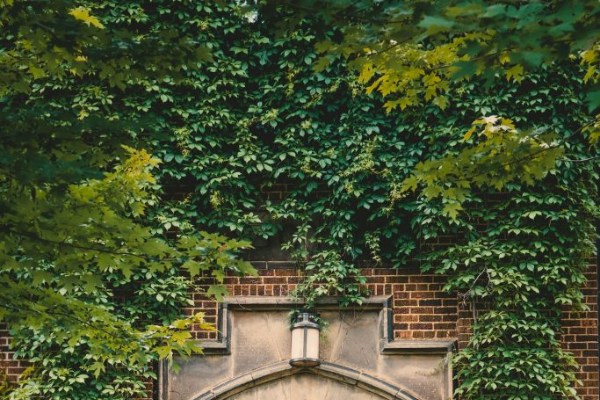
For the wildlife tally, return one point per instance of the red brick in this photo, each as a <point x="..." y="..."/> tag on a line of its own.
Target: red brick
<point x="421" y="310"/>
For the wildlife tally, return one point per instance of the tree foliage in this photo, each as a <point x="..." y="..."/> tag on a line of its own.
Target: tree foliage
<point x="414" y="52"/>
<point x="410" y="51"/>
<point x="76" y="240"/>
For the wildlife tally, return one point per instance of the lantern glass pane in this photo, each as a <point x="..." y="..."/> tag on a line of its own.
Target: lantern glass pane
<point x="312" y="343"/>
<point x="297" y="343"/>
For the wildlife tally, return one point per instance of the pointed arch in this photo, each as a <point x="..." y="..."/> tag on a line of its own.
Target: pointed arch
<point x="327" y="370"/>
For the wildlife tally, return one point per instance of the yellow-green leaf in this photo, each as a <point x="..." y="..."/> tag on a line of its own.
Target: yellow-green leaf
<point x="515" y="73"/>
<point x="83" y="14"/>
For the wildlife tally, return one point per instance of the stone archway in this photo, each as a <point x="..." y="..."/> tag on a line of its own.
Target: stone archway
<point x="357" y="350"/>
<point x="305" y="387"/>
<point x="327" y="382"/>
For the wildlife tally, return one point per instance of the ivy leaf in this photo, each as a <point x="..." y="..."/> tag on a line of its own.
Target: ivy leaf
<point x="217" y="291"/>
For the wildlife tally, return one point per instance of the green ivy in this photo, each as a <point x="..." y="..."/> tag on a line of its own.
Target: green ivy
<point x="268" y="119"/>
<point x="258" y="118"/>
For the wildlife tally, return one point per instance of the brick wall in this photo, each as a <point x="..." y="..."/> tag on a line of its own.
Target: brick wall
<point x="11" y="368"/>
<point x="580" y="337"/>
<point x="421" y="310"/>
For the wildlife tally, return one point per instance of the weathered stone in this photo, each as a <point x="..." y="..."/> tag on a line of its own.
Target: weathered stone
<point x="355" y="364"/>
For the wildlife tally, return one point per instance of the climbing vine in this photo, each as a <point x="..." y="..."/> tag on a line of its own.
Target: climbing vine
<point x="258" y="118"/>
<point x="267" y="119"/>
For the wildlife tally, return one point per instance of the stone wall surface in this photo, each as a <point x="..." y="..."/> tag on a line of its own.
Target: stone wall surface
<point x="421" y="310"/>
<point x="306" y="387"/>
<point x="356" y="358"/>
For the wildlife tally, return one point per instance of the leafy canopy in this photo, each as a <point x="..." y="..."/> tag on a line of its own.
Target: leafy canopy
<point x="75" y="190"/>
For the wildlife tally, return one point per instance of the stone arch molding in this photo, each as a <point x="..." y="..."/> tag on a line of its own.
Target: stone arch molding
<point x="339" y="373"/>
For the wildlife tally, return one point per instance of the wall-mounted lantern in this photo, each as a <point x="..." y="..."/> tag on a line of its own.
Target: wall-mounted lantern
<point x="305" y="342"/>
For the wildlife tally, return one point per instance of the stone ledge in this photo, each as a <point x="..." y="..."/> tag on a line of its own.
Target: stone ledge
<point x="215" y="347"/>
<point x="254" y="303"/>
<point x="418" y="347"/>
